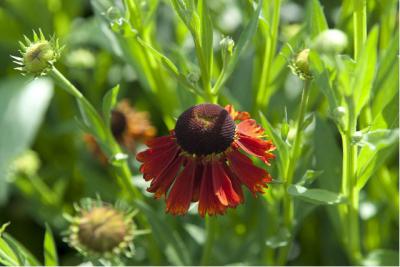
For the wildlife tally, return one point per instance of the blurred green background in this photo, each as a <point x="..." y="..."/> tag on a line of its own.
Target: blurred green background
<point x="55" y="168"/>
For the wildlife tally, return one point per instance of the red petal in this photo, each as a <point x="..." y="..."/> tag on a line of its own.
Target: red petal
<point x="236" y="184"/>
<point x="155" y="165"/>
<point x="223" y="187"/>
<point x="253" y="177"/>
<point x="250" y="128"/>
<point x="179" y="198"/>
<point x="209" y="202"/>
<point x="159" y="141"/>
<point x="256" y="147"/>
<point x="163" y="182"/>
<point x="155" y="150"/>
<point x="237" y="115"/>
<point x="197" y="183"/>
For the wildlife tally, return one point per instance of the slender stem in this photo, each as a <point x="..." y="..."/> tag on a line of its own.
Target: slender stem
<point x="349" y="189"/>
<point x="269" y="52"/>
<point x="65" y="84"/>
<point x="210" y="229"/>
<point x="288" y="212"/>
<point x="122" y="169"/>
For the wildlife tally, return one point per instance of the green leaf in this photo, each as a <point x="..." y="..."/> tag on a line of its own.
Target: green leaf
<point x="372" y="157"/>
<point x="316" y="21"/>
<point x="92" y="119"/>
<point x="380" y="138"/>
<point x="3" y="227"/>
<point x="50" y="251"/>
<point x="382" y="257"/>
<point x="7" y="256"/>
<point x="309" y="177"/>
<point x="109" y="102"/>
<point x="364" y="71"/>
<point x="23" y="103"/>
<point x="282" y="147"/>
<point x="321" y="78"/>
<point x="25" y="257"/>
<point x="316" y="196"/>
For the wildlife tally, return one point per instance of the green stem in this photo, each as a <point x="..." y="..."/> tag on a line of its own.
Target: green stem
<point x="349" y="188"/>
<point x="269" y="52"/>
<point x="122" y="169"/>
<point x="288" y="213"/>
<point x="360" y="26"/>
<point x="210" y="229"/>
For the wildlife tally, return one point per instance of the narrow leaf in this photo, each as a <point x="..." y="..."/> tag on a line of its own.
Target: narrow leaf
<point x="109" y="102"/>
<point x="50" y="251"/>
<point x="316" y="196"/>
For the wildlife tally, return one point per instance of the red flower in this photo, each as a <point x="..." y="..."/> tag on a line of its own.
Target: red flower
<point x="203" y="160"/>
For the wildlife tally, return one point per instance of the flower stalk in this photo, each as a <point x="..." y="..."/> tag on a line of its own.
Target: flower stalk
<point x="288" y="212"/>
<point x="207" y="250"/>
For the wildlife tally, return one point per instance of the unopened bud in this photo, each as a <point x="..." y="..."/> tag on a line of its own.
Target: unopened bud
<point x="37" y="56"/>
<point x="300" y="65"/>
<point x="331" y="41"/>
<point x="227" y="44"/>
<point x="102" y="231"/>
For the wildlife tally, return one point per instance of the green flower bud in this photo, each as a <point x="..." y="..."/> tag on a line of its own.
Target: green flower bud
<point x="227" y="45"/>
<point x="37" y="56"/>
<point x="331" y="41"/>
<point x="300" y="65"/>
<point x="102" y="231"/>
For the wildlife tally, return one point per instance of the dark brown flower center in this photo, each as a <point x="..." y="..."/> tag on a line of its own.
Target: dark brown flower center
<point x="118" y="123"/>
<point x="205" y="129"/>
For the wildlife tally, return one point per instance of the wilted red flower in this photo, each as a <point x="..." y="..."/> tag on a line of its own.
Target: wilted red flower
<point x="202" y="160"/>
<point x="127" y="127"/>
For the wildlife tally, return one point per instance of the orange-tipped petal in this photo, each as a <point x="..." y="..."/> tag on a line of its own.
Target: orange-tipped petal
<point x="161" y="184"/>
<point x="209" y="202"/>
<point x="254" y="178"/>
<point x="179" y="198"/>
<point x="223" y="188"/>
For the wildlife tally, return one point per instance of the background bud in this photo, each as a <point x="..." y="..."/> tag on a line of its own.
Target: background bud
<point x="330" y="42"/>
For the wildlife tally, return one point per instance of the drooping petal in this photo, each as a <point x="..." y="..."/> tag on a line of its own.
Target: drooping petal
<point x="180" y="196"/>
<point x="250" y="128"/>
<point x="161" y="145"/>
<point x="256" y="147"/>
<point x="236" y="184"/>
<point x="197" y="182"/>
<point x="158" y="141"/>
<point x="161" y="184"/>
<point x="223" y="188"/>
<point x="208" y="201"/>
<point x="254" y="178"/>
<point x="237" y="115"/>
<point x="156" y="164"/>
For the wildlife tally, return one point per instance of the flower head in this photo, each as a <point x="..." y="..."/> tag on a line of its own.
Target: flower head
<point x="37" y="56"/>
<point x="204" y="159"/>
<point x="127" y="126"/>
<point x="102" y="231"/>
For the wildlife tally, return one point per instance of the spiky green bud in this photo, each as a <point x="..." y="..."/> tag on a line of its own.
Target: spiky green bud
<point x="102" y="231"/>
<point x="37" y="55"/>
<point x="300" y="65"/>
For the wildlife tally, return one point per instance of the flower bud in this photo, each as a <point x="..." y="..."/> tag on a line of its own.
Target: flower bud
<point x="331" y="41"/>
<point x="102" y="231"/>
<point x="300" y="65"/>
<point x="227" y="45"/>
<point x="37" y="56"/>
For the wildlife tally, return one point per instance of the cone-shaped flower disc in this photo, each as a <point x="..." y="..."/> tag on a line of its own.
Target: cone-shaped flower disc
<point x="204" y="160"/>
